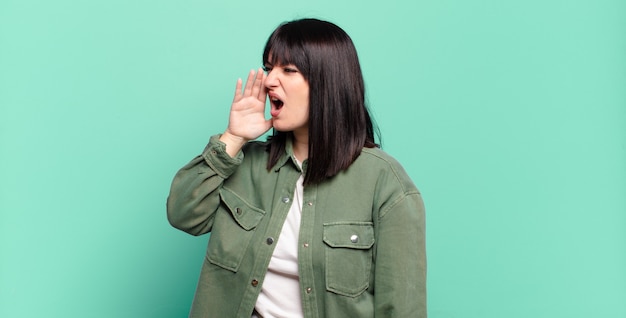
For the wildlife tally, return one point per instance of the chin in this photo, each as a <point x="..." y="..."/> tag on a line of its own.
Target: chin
<point x="278" y="126"/>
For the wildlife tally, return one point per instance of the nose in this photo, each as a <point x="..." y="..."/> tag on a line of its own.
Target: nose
<point x="271" y="79"/>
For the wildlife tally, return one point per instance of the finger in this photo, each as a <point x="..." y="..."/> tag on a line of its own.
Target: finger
<point x="258" y="81"/>
<point x="237" y="90"/>
<point x="262" y="92"/>
<point x="249" y="82"/>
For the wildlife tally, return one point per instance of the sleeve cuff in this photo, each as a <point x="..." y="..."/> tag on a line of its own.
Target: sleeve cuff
<point x="221" y="162"/>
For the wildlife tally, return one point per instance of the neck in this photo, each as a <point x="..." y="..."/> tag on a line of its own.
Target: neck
<point x="301" y="145"/>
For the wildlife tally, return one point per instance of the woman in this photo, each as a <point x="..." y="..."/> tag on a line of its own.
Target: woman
<point x="316" y="221"/>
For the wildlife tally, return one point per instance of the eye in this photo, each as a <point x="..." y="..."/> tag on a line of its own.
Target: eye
<point x="267" y="68"/>
<point x="290" y="69"/>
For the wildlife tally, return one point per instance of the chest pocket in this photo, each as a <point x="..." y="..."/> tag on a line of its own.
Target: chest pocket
<point x="348" y="256"/>
<point x="233" y="228"/>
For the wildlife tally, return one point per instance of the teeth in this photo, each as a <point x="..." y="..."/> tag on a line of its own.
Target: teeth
<point x="277" y="102"/>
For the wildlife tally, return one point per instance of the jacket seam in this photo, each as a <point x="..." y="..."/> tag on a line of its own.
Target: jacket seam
<point x="392" y="168"/>
<point x="396" y="202"/>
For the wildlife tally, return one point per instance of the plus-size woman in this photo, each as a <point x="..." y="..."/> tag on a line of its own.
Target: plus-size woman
<point x="316" y="221"/>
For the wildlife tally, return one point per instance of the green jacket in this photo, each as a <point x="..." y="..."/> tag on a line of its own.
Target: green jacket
<point x="361" y="252"/>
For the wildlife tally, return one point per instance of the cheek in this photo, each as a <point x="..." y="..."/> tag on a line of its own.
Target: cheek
<point x="305" y="113"/>
<point x="304" y="89"/>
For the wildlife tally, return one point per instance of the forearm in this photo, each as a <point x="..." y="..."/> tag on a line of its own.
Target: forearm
<point x="194" y="194"/>
<point x="233" y="143"/>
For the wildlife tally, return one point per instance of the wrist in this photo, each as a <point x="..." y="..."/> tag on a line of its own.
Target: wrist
<point x="233" y="143"/>
<point x="227" y="136"/>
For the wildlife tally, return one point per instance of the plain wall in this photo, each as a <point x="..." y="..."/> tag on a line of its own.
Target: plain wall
<point x="510" y="116"/>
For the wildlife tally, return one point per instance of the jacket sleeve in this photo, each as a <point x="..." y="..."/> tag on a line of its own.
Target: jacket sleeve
<point x="194" y="194"/>
<point x="400" y="274"/>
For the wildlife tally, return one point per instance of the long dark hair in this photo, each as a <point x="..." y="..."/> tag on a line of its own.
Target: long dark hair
<point x="339" y="122"/>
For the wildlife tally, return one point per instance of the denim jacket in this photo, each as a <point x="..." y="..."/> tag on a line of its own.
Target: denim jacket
<point x="361" y="247"/>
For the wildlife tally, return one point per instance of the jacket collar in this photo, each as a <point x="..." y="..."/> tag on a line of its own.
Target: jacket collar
<point x="288" y="156"/>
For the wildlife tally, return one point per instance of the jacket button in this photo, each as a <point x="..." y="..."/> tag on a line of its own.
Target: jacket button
<point x="308" y="290"/>
<point x="310" y="203"/>
<point x="354" y="238"/>
<point x="285" y="200"/>
<point x="254" y="282"/>
<point x="306" y="244"/>
<point x="270" y="240"/>
<point x="238" y="211"/>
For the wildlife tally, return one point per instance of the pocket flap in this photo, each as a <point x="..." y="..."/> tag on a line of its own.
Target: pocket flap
<point x="357" y="235"/>
<point x="246" y="215"/>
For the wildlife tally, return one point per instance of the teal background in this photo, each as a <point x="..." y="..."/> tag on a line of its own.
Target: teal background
<point x="510" y="116"/>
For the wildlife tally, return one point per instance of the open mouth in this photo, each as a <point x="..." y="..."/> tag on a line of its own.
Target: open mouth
<point x="277" y="103"/>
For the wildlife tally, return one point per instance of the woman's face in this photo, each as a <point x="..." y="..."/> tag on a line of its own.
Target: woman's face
<point x="288" y="92"/>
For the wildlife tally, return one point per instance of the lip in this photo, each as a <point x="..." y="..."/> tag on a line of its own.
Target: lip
<point x="274" y="111"/>
<point x="273" y="95"/>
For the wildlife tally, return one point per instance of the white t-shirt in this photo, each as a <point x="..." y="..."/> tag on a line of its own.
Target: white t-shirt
<point x="280" y="293"/>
